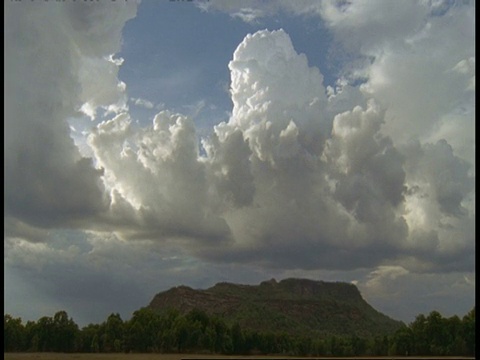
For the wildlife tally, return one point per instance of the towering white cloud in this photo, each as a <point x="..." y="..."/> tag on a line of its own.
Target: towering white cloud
<point x="399" y="167"/>
<point x="399" y="51"/>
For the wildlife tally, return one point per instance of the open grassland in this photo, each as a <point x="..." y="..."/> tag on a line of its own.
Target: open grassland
<point x="82" y="356"/>
<point x="121" y="356"/>
<point x="79" y="356"/>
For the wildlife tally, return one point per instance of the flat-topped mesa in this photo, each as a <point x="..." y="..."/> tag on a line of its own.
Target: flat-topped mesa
<point x="293" y="306"/>
<point x="294" y="288"/>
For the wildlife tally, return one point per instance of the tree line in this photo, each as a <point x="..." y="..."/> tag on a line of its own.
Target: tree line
<point x="197" y="332"/>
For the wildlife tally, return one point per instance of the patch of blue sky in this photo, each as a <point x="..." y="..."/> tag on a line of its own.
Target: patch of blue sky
<point x="176" y="57"/>
<point x="441" y="7"/>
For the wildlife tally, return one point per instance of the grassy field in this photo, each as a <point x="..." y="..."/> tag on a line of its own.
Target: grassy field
<point x="77" y="356"/>
<point x="61" y="356"/>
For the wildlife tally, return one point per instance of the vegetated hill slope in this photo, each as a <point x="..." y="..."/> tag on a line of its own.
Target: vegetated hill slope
<point x="293" y="306"/>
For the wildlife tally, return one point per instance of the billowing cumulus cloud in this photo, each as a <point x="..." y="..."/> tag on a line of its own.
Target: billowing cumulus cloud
<point x="427" y="88"/>
<point x="157" y="183"/>
<point x="286" y="181"/>
<point x="375" y="175"/>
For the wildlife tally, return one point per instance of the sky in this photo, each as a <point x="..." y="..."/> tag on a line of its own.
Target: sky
<point x="161" y="143"/>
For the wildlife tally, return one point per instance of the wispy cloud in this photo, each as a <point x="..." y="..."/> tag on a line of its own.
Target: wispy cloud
<point x="142" y="103"/>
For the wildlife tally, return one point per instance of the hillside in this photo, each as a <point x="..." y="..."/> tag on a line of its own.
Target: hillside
<point x="294" y="306"/>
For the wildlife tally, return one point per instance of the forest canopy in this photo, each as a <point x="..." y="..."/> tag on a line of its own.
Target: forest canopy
<point x="194" y="332"/>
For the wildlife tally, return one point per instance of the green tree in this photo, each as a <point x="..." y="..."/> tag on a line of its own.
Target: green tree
<point x="358" y="345"/>
<point x="64" y="332"/>
<point x="31" y="337"/>
<point x="13" y="334"/>
<point x="198" y="315"/>
<point x="468" y="332"/>
<point x="95" y="345"/>
<point x="144" y="331"/>
<point x="285" y="343"/>
<point x="419" y="330"/>
<point x="194" y="330"/>
<point x="437" y="333"/>
<point x="166" y="338"/>
<point x="223" y="339"/>
<point x="113" y="336"/>
<point x="301" y="346"/>
<point x="181" y="333"/>
<point x="238" y="340"/>
<point x="44" y="331"/>
<point x="403" y="342"/>
<point x="169" y="340"/>
<point x="89" y="338"/>
<point x="456" y="345"/>
<point x="208" y="338"/>
<point x="379" y="345"/>
<point x="334" y="346"/>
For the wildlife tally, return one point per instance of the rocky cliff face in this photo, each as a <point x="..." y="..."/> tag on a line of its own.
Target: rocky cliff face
<point x="293" y="306"/>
